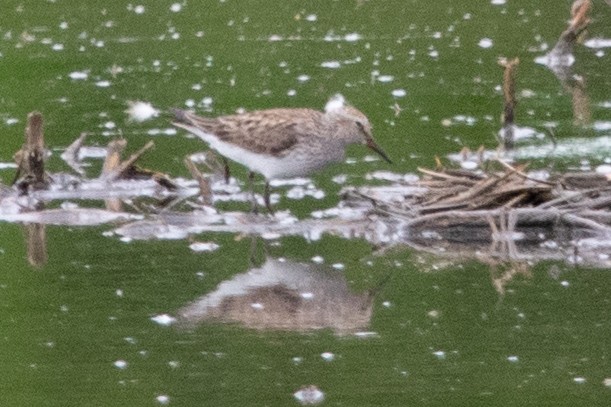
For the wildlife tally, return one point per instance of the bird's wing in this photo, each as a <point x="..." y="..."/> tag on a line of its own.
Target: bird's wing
<point x="270" y="132"/>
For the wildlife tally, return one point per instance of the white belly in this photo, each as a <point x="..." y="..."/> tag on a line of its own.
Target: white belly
<point x="271" y="167"/>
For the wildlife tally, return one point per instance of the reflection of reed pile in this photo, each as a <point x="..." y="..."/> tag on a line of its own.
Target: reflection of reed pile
<point x="458" y="203"/>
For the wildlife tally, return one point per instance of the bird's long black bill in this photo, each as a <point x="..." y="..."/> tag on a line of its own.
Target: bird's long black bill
<point x="372" y="145"/>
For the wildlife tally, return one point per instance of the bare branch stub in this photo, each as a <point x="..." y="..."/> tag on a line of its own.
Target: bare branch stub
<point x="203" y="182"/>
<point x="31" y="158"/>
<point x="509" y="100"/>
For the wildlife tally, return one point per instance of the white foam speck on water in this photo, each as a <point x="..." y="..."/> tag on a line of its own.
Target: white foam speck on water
<point x="296" y="193"/>
<point x="169" y="131"/>
<point x="485" y="43"/>
<point x="607" y="382"/>
<point x="338" y="266"/>
<point x="366" y="334"/>
<point x="309" y="395"/>
<point x="57" y="47"/>
<point x="327" y="356"/>
<point x="601" y="125"/>
<point x="596" y="148"/>
<point x="7" y="165"/>
<point x="463" y="119"/>
<point x="598" y="43"/>
<point x="385" y="78"/>
<point x="203" y="246"/>
<point x="175" y="7"/>
<point x="340" y="179"/>
<point x="141" y="111"/>
<point x="318" y="194"/>
<point x="163" y="399"/>
<point x="331" y="64"/>
<point x="78" y="75"/>
<point x="389" y="176"/>
<point x="291" y="181"/>
<point x="318" y="259"/>
<point x="399" y="93"/>
<point x="163" y="319"/>
<point x="109" y="125"/>
<point x="303" y="78"/>
<point x="275" y="38"/>
<point x="352" y="37"/>
<point x="498" y="2"/>
<point x="120" y="364"/>
<point x="440" y="354"/>
<point x="579" y="379"/>
<point x="102" y="84"/>
<point x="520" y="133"/>
<point x="311" y="17"/>
<point x="603" y="169"/>
<point x="138" y="9"/>
<point x="565" y="283"/>
<point x="512" y="359"/>
<point x="119" y="293"/>
<point x="11" y="120"/>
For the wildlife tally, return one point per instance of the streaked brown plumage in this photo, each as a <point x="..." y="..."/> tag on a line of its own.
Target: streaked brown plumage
<point x="284" y="143"/>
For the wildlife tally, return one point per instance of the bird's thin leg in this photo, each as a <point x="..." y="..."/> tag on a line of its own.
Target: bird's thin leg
<point x="266" y="198"/>
<point x="226" y="171"/>
<point x="251" y="183"/>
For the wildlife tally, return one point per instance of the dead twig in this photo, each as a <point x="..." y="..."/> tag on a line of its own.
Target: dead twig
<point x="204" y="183"/>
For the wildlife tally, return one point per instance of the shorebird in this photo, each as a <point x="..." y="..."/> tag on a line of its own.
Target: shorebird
<point x="283" y="143"/>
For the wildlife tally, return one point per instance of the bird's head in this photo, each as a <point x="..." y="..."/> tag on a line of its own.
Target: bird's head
<point x="358" y="128"/>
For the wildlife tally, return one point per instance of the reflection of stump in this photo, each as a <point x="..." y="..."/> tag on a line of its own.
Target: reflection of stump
<point x="37" y="244"/>
<point x="30" y="159"/>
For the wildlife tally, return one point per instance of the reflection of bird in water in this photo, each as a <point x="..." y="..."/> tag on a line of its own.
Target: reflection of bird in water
<point x="284" y="295"/>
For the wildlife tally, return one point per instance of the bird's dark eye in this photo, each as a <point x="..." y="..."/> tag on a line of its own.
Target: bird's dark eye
<point x="360" y="126"/>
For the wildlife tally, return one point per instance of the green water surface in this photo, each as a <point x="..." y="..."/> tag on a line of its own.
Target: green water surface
<point x="77" y="331"/>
